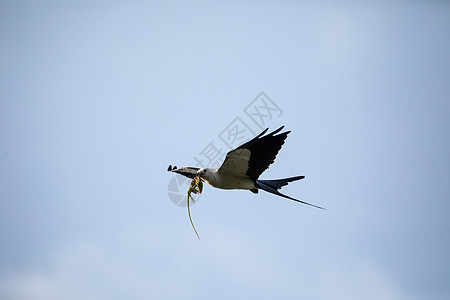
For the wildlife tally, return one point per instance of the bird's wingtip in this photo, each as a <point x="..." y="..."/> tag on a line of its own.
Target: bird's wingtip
<point x="278" y="130"/>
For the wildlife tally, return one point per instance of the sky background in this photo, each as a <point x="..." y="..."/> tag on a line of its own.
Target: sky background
<point x="97" y="98"/>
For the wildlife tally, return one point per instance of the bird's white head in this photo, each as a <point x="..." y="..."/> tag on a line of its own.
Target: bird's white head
<point x="202" y="172"/>
<point x="209" y="175"/>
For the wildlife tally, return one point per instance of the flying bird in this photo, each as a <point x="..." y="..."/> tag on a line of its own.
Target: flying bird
<point x="243" y="166"/>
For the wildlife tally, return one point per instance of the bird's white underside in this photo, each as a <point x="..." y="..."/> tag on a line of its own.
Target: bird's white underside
<point x="228" y="182"/>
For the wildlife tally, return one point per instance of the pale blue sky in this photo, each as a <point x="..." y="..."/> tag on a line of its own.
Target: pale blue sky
<point x="99" y="97"/>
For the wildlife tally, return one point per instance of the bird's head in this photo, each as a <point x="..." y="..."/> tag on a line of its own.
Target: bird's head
<point x="202" y="172"/>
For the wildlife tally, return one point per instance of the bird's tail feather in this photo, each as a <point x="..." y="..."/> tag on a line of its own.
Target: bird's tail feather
<point x="272" y="186"/>
<point x="279" y="183"/>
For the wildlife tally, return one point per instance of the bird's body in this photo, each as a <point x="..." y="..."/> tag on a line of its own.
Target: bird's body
<point x="227" y="181"/>
<point x="243" y="166"/>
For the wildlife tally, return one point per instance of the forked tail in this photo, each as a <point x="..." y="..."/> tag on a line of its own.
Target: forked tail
<point x="272" y="186"/>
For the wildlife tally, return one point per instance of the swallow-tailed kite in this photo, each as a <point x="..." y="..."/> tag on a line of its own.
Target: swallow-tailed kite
<point x="243" y="166"/>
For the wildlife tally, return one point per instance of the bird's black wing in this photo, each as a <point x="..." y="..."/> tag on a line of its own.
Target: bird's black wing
<point x="259" y="152"/>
